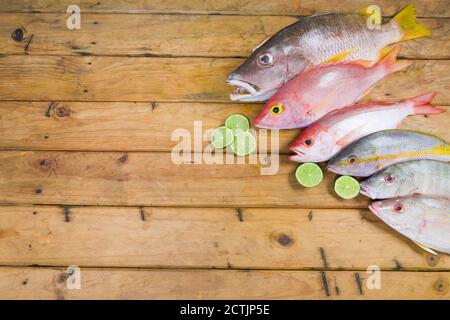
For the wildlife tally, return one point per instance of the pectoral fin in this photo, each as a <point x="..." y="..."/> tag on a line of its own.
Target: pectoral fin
<point x="426" y="248"/>
<point x="350" y="137"/>
<point x="340" y="56"/>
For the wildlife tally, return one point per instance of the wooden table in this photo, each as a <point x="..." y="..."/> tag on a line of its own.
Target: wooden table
<point x="86" y="176"/>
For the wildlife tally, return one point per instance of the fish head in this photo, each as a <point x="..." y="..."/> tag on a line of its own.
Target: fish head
<point x="314" y="144"/>
<point x="267" y="69"/>
<point x="355" y="160"/>
<point x="278" y="113"/>
<point x="392" y="182"/>
<point x="402" y="214"/>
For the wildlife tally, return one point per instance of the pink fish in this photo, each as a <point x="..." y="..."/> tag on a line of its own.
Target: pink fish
<point x="336" y="130"/>
<point x="320" y="90"/>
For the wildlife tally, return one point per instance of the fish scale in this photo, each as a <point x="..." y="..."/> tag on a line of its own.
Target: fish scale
<point x="314" y="40"/>
<point x="426" y="177"/>
<point x="381" y="149"/>
<point x="336" y="130"/>
<point x="425" y="220"/>
<point x="312" y="94"/>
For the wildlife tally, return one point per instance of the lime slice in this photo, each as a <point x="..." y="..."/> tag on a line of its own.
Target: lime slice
<point x="309" y="174"/>
<point x="244" y="143"/>
<point x="237" y="122"/>
<point x="346" y="187"/>
<point x="221" y="137"/>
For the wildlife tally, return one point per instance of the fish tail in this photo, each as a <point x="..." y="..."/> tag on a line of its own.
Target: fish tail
<point x="411" y="29"/>
<point x="422" y="104"/>
<point x="390" y="64"/>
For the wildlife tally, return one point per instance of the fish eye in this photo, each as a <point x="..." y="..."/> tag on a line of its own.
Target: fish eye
<point x="398" y="208"/>
<point x="265" y="59"/>
<point x="352" y="159"/>
<point x="389" y="178"/>
<point x="276" y="109"/>
<point x="308" y="142"/>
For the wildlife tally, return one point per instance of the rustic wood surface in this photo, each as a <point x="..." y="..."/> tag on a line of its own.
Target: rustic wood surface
<point x="50" y="283"/>
<point x="206" y="237"/>
<point x="172" y="79"/>
<point x="87" y="177"/>
<point x="124" y="126"/>
<point x="152" y="179"/>
<point x="188" y="35"/>
<point x="425" y="8"/>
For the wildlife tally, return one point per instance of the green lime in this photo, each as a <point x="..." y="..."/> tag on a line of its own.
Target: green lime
<point x="237" y="122"/>
<point x="346" y="187"/>
<point x="309" y="174"/>
<point x="244" y="143"/>
<point x="221" y="137"/>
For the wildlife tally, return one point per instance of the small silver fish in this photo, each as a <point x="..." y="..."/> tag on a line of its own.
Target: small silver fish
<point x="424" y="220"/>
<point x="382" y="149"/>
<point x="316" y="39"/>
<point x="424" y="177"/>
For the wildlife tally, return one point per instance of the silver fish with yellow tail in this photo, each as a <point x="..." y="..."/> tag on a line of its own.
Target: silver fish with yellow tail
<point x="317" y="39"/>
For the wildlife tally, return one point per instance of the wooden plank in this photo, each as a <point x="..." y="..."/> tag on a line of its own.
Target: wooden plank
<point x="167" y="79"/>
<point x="50" y="283"/>
<point x="206" y="238"/>
<point x="256" y="7"/>
<point x="122" y="126"/>
<point x="111" y="178"/>
<point x="186" y="35"/>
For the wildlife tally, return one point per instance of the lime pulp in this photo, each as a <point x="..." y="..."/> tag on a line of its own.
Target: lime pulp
<point x="309" y="174"/>
<point x="221" y="137"/>
<point x="237" y="122"/>
<point x="346" y="187"/>
<point x="244" y="143"/>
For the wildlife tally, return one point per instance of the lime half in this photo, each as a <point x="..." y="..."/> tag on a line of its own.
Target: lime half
<point x="346" y="187"/>
<point x="221" y="137"/>
<point x="244" y="143"/>
<point x="237" y="122"/>
<point x="309" y="174"/>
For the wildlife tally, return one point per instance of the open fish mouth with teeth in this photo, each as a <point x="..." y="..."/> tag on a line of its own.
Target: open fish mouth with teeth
<point x="246" y="91"/>
<point x="298" y="155"/>
<point x="242" y="89"/>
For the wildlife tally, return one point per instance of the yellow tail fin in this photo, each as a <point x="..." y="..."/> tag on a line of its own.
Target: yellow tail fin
<point x="411" y="29"/>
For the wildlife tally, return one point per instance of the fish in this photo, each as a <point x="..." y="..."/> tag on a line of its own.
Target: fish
<point x="424" y="220"/>
<point x="322" y="89"/>
<point x="381" y="149"/>
<point x="327" y="136"/>
<point x="424" y="177"/>
<point x="314" y="40"/>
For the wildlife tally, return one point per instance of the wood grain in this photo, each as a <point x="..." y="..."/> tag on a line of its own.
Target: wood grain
<point x="50" y="283"/>
<point x="253" y="7"/>
<point x="206" y="238"/>
<point x="167" y="79"/>
<point x="185" y="35"/>
<point x="112" y="178"/>
<point x="122" y="126"/>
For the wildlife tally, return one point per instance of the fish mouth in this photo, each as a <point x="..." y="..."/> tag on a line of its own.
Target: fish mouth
<point x="373" y="208"/>
<point x="296" y="158"/>
<point x="246" y="91"/>
<point x="366" y="191"/>
<point x="333" y="169"/>
<point x="298" y="155"/>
